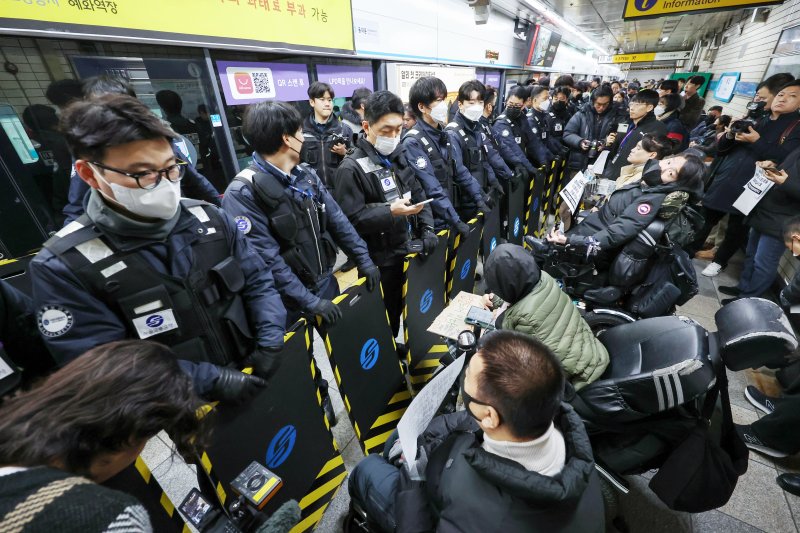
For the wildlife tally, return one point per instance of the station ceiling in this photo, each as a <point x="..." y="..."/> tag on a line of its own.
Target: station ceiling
<point x="601" y="20"/>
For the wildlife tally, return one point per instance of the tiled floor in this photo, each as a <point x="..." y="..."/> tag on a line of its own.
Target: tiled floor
<point x="758" y="504"/>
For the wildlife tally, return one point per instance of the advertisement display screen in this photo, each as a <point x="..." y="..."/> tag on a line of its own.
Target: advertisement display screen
<point x="542" y="46"/>
<point x="245" y="82"/>
<point x="344" y="79"/>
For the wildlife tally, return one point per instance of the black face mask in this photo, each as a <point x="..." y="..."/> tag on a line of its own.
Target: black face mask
<point x="513" y="113"/>
<point x="559" y="106"/>
<point x="469" y="399"/>
<point x="651" y="175"/>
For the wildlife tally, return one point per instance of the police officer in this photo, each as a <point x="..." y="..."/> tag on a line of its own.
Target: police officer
<point x="378" y="192"/>
<point x="326" y="140"/>
<point x="501" y="170"/>
<point x="469" y="144"/>
<point x="512" y="131"/>
<point x="443" y="176"/>
<point x="539" y="147"/>
<point x="193" y="185"/>
<point x="290" y="218"/>
<point x="142" y="263"/>
<point x="559" y="116"/>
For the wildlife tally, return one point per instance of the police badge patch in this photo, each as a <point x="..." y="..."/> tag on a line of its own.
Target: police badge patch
<point x="54" y="320"/>
<point x="243" y="224"/>
<point x="506" y="133"/>
<point x="421" y="163"/>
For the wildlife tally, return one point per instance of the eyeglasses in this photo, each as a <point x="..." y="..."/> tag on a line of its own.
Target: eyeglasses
<point x="149" y="179"/>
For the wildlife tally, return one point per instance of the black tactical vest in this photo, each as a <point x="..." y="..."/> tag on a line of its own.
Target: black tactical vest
<point x="474" y="154"/>
<point x="316" y="151"/>
<point x="202" y="317"/>
<point x="442" y="169"/>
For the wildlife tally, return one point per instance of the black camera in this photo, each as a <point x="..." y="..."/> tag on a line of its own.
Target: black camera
<point x="755" y="110"/>
<point x="337" y="139"/>
<point x="594" y="148"/>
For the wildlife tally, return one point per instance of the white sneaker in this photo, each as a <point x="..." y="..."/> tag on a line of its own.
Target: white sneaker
<point x="712" y="270"/>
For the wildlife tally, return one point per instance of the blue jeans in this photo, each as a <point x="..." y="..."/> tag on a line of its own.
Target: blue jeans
<point x="761" y="265"/>
<point x="373" y="485"/>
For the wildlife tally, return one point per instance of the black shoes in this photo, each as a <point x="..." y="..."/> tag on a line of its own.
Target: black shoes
<point x="790" y="483"/>
<point x="726" y="301"/>
<point x="755" y="444"/>
<point x="730" y="290"/>
<point x="760" y="400"/>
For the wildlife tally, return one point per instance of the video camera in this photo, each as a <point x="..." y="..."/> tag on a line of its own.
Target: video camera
<point x="594" y="148"/>
<point x="755" y="110"/>
<point x="255" y="486"/>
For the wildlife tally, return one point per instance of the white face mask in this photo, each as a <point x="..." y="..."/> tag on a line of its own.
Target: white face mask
<point x="544" y="106"/>
<point x="386" y="145"/>
<point x="473" y="112"/>
<point x="439" y="112"/>
<point x="161" y="202"/>
<point x="659" y="110"/>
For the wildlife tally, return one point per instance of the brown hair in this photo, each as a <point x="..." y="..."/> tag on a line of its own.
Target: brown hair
<point x="111" y="397"/>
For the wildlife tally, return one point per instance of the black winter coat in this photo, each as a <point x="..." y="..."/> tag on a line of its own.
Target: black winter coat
<point x="587" y="124"/>
<point x="363" y="201"/>
<point x="781" y="202"/>
<point x="618" y="156"/>
<point x="470" y="490"/>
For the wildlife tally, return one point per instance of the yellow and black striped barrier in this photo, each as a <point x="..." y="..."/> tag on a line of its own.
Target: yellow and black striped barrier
<point x="364" y="360"/>
<point x="284" y="429"/>
<point x="424" y="282"/>
<point x="463" y="258"/>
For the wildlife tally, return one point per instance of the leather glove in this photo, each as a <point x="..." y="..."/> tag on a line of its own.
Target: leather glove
<point x="328" y="311"/>
<point x="266" y="360"/>
<point x="373" y="276"/>
<point x="235" y="387"/>
<point x="429" y="242"/>
<point x="462" y="228"/>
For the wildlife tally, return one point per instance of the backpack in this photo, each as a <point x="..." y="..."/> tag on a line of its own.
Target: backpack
<point x="684" y="226"/>
<point x="671" y="281"/>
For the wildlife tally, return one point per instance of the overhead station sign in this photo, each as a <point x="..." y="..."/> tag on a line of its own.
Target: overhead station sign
<point x="294" y="24"/>
<point x="655" y="8"/>
<point x="646" y="56"/>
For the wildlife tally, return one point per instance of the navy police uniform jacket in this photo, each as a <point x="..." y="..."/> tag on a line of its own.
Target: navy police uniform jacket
<point x="82" y="319"/>
<point x="240" y="202"/>
<point x="193" y="185"/>
<point x="417" y="155"/>
<point x="474" y="130"/>
<point x="513" y="141"/>
<point x="501" y="170"/>
<point x="540" y="139"/>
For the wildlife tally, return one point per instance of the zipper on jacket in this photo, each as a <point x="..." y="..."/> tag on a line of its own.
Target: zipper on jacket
<point x="316" y="241"/>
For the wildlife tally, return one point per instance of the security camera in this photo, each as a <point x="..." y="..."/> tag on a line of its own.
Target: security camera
<point x="482" y="9"/>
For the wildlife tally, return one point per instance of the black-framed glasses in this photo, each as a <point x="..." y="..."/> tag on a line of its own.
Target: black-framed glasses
<point x="149" y="179"/>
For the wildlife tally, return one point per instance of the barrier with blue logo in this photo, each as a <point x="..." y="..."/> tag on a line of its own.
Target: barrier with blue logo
<point x="533" y="221"/>
<point x="423" y="300"/>
<point x="462" y="259"/>
<point x="284" y="429"/>
<point x="492" y="229"/>
<point x="515" y="209"/>
<point x="365" y="363"/>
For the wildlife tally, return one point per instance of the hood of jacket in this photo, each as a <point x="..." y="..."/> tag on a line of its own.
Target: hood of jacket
<point x="568" y="485"/>
<point x="511" y="272"/>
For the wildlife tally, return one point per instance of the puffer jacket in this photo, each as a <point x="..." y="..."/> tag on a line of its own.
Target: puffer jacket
<point x="540" y="308"/>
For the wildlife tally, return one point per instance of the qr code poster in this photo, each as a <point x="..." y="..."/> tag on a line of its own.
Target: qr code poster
<point x="249" y="82"/>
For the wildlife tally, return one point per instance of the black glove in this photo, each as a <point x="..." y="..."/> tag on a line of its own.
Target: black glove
<point x="498" y="189"/>
<point x="462" y="228"/>
<point x="235" y="387"/>
<point x="373" y="276"/>
<point x="266" y="360"/>
<point x="520" y="176"/>
<point x="415" y="246"/>
<point x="328" y="311"/>
<point x="484" y="208"/>
<point x="429" y="242"/>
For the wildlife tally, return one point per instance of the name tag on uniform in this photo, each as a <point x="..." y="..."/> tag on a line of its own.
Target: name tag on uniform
<point x="388" y="184"/>
<point x="544" y="135"/>
<point x="153" y="324"/>
<point x="518" y="140"/>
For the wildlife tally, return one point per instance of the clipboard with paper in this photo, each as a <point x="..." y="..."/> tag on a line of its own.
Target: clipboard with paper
<point x="754" y="191"/>
<point x="572" y="194"/>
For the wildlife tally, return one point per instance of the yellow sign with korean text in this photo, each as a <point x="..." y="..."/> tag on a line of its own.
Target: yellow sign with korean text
<point x="294" y="24"/>
<point x="634" y="58"/>
<point x="654" y="8"/>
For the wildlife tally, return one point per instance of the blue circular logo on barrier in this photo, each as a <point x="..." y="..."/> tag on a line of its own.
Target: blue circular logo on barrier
<point x="516" y="227"/>
<point x="644" y="5"/>
<point x="280" y="447"/>
<point x="536" y="203"/>
<point x="369" y="354"/>
<point x="153" y="321"/>
<point x="493" y="244"/>
<point x="465" y="269"/>
<point x="426" y="301"/>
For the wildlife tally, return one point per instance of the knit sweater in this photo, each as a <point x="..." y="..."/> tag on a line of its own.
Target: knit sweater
<point x="544" y="455"/>
<point x="43" y="500"/>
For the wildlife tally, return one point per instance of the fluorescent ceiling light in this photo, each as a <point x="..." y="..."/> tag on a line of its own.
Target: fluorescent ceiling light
<point x="558" y="20"/>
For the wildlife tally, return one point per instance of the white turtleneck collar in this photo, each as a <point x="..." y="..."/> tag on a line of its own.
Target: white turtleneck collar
<point x="545" y="455"/>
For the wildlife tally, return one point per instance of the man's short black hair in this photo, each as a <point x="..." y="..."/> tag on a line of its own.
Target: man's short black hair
<point x="170" y="101"/>
<point x="671" y="101"/>
<point x="647" y="96"/>
<point x="522" y="379"/>
<point x="92" y="126"/>
<point x="565" y="80"/>
<point x="543" y="81"/>
<point x="105" y="84"/>
<point x="518" y="91"/>
<point x="40" y="117"/>
<point x="382" y="103"/>
<point x="360" y="96"/>
<point x="318" y="90"/>
<point x="489" y="95"/>
<point x="265" y="124"/>
<point x="597" y="79"/>
<point x="64" y="92"/>
<point x="697" y="80"/>
<point x="468" y="87"/>
<point x="425" y="91"/>
<point x="681" y="79"/>
<point x="565" y="90"/>
<point x="715" y="108"/>
<point x="776" y="82"/>
<point x="790" y="227"/>
<point x="536" y="90"/>
<point x="794" y="83"/>
<point x="601" y="92"/>
<point x="669" y="85"/>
